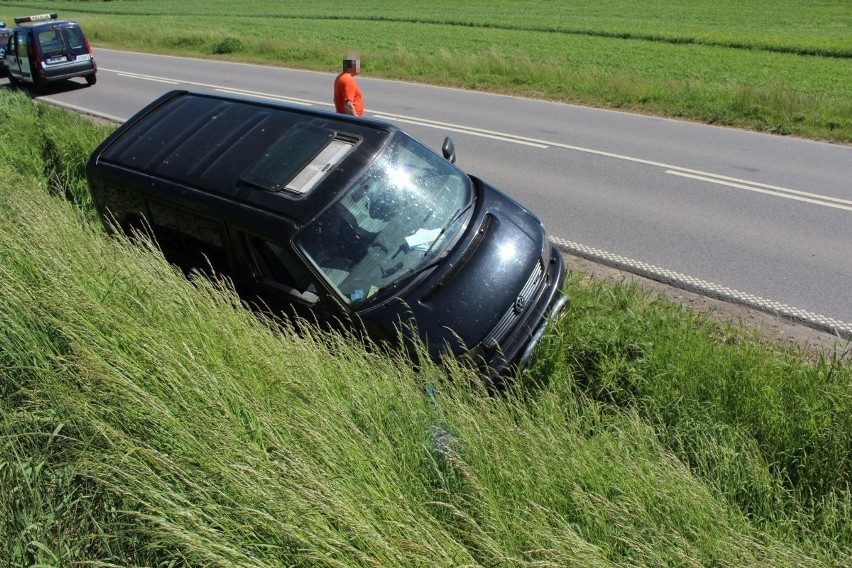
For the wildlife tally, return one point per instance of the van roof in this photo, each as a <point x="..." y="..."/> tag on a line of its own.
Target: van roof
<point x="245" y="149"/>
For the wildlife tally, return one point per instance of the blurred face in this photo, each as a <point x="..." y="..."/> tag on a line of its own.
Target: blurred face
<point x="356" y="68"/>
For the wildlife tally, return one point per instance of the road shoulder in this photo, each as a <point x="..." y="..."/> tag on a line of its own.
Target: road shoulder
<point x="773" y="330"/>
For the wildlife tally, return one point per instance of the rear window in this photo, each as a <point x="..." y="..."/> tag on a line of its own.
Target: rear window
<point x="58" y="40"/>
<point x="51" y="41"/>
<point x="75" y="38"/>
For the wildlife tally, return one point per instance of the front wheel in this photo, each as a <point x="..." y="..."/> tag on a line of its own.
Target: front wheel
<point x="91" y="79"/>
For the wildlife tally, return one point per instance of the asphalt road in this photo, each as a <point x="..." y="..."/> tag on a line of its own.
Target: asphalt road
<point x="759" y="219"/>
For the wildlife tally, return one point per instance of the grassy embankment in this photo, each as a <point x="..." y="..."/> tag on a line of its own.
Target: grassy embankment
<point x="783" y="66"/>
<point x="150" y="420"/>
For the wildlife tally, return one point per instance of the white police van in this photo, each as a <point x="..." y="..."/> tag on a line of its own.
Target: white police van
<point x="43" y="49"/>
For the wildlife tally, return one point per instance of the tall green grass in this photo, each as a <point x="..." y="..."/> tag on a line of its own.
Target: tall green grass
<point x="149" y="419"/>
<point x="782" y="66"/>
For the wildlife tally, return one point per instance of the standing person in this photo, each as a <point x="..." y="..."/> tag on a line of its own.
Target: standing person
<point x="347" y="94"/>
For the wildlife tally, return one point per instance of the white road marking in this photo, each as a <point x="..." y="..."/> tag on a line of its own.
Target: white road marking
<point x="467" y="129"/>
<point x="243" y="92"/>
<point x="265" y="97"/>
<point x="455" y="128"/>
<point x="778" y="188"/>
<point x="149" y="78"/>
<point x="779" y="192"/>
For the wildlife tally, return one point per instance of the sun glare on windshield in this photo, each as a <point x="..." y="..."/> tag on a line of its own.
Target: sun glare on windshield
<point x="393" y="220"/>
<point x="399" y="177"/>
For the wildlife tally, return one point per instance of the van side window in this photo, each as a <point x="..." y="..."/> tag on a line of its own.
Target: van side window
<point x="123" y="209"/>
<point x="21" y="44"/>
<point x="189" y="240"/>
<point x="280" y="269"/>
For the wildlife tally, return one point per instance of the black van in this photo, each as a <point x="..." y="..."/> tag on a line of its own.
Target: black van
<point x="43" y="49"/>
<point x="334" y="217"/>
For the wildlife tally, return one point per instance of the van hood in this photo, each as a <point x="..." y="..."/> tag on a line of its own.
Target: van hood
<point x="480" y="282"/>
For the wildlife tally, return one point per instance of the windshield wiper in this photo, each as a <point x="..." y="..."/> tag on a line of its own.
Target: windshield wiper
<point x="461" y="211"/>
<point x="421" y="269"/>
<point x="411" y="274"/>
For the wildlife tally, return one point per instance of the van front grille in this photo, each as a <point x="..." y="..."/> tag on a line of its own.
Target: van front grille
<point x="518" y="308"/>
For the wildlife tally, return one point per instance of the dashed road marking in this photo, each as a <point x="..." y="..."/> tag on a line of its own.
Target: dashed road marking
<point x="482" y="133"/>
<point x="148" y="78"/>
<point x="795" y="195"/>
<point x="275" y="98"/>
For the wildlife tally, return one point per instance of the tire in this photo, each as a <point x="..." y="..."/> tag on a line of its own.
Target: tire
<point x="91" y="79"/>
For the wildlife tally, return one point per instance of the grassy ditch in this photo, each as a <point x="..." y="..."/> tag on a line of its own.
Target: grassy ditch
<point x="783" y="67"/>
<point x="150" y="419"/>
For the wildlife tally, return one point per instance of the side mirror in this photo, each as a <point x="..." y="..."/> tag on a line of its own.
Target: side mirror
<point x="2" y="53"/>
<point x="449" y="150"/>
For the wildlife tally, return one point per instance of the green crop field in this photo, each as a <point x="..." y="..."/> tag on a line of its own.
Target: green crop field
<point x="148" y="419"/>
<point x="780" y="66"/>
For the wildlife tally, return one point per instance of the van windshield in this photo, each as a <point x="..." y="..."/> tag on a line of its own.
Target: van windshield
<point x="393" y="221"/>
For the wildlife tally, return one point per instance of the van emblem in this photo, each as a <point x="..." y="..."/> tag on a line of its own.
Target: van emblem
<point x="519" y="304"/>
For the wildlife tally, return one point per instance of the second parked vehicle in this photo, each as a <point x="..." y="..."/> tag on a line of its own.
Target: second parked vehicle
<point x="5" y="34"/>
<point x="43" y="49"/>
